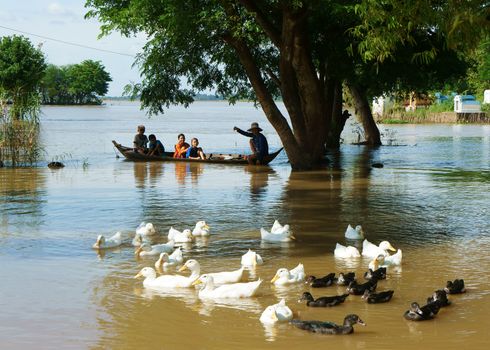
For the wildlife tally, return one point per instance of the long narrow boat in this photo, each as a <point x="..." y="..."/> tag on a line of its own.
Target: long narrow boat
<point x="219" y="158"/>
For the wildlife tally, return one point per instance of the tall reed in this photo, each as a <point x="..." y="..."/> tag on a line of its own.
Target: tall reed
<point x="19" y="138"/>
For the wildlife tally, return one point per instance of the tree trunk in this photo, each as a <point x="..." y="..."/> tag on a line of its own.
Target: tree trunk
<point x="301" y="89"/>
<point x="363" y="112"/>
<point x="338" y="118"/>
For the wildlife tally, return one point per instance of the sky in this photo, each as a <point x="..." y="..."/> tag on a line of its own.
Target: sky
<point x="64" y="20"/>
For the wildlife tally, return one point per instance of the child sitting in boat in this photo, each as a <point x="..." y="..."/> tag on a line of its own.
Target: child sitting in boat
<point x="155" y="147"/>
<point x="181" y="147"/>
<point x="195" y="152"/>
<point x="140" y="140"/>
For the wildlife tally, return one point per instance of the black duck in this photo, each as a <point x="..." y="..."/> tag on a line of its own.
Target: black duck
<point x="379" y="274"/>
<point x="376" y="298"/>
<point x="455" y="287"/>
<point x="417" y="313"/>
<point x="346" y="278"/>
<point x="330" y="327"/>
<point x="324" y="281"/>
<point x="323" y="301"/>
<point x="439" y="296"/>
<point x="359" y="289"/>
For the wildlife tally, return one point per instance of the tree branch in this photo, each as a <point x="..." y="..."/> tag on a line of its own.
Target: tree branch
<point x="272" y="32"/>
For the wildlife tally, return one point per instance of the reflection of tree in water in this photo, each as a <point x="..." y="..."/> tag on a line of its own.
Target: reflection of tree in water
<point x="23" y="197"/>
<point x="320" y="204"/>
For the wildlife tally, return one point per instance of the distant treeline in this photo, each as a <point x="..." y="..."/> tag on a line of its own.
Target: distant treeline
<point x="75" y="84"/>
<point x="198" y="97"/>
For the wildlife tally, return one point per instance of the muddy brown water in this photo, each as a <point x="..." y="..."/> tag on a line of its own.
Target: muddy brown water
<point x="431" y="200"/>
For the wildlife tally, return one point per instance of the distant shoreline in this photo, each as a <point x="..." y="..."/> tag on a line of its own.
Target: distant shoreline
<point x="435" y="118"/>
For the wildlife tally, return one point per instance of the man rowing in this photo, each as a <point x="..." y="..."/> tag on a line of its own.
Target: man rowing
<point x="258" y="143"/>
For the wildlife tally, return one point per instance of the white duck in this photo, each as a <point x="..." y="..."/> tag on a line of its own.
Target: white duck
<point x="251" y="259"/>
<point x="278" y="233"/>
<point x="146" y="229"/>
<point x="139" y="239"/>
<point x="395" y="259"/>
<point x="279" y="312"/>
<point x="165" y="281"/>
<point x="111" y="242"/>
<point x="201" y="229"/>
<point x="148" y="250"/>
<point x="165" y="260"/>
<point x="344" y="252"/>
<point x="357" y="233"/>
<point x="385" y="261"/>
<point x="371" y="250"/>
<point x="218" y="277"/>
<point x="283" y="276"/>
<point x="278" y="228"/>
<point x="180" y="237"/>
<point x="234" y="290"/>
<point x="377" y="262"/>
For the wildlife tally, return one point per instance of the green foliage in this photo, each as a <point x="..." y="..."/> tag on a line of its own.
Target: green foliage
<point x="21" y="69"/>
<point x="386" y="24"/>
<point x="81" y="83"/>
<point x="394" y="121"/>
<point x="479" y="73"/>
<point x="385" y="45"/>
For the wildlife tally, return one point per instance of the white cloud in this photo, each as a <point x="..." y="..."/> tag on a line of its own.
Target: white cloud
<point x="56" y="9"/>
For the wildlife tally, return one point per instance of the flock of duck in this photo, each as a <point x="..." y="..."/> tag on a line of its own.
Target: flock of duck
<point x="226" y="285"/>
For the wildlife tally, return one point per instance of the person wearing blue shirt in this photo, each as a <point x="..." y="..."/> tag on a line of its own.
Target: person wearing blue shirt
<point x="258" y="143"/>
<point x="155" y="147"/>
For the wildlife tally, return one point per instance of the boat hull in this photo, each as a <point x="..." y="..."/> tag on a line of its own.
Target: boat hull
<point x="217" y="158"/>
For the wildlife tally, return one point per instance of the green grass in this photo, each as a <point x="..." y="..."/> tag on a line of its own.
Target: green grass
<point x="394" y="121"/>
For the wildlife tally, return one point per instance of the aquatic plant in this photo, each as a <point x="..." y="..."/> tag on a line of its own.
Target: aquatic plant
<point x="19" y="141"/>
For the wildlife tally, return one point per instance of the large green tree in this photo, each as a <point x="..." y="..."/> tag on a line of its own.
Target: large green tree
<point x="82" y="83"/>
<point x="22" y="67"/>
<point x="301" y="51"/>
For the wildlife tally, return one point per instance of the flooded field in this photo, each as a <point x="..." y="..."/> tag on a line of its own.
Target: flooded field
<point x="431" y="199"/>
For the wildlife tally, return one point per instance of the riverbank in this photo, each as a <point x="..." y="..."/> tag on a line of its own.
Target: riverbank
<point x="428" y="118"/>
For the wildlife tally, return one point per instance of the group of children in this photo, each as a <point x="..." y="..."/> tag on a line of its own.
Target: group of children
<point x="153" y="147"/>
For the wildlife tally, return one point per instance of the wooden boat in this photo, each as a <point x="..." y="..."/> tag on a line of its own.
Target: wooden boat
<point x="219" y="158"/>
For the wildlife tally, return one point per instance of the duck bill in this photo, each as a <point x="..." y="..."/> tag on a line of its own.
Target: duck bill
<point x="274" y="317"/>
<point x="196" y="282"/>
<point x="98" y="242"/>
<point x="138" y="275"/>
<point x="183" y="268"/>
<point x="292" y="237"/>
<point x="361" y="322"/>
<point x="276" y="277"/>
<point x="206" y="227"/>
<point x="138" y="251"/>
<point x="391" y="248"/>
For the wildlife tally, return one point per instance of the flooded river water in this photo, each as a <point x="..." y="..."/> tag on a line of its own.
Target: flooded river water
<point x="431" y="199"/>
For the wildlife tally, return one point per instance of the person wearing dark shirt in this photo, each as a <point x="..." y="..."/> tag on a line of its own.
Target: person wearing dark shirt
<point x="258" y="143"/>
<point x="155" y="147"/>
<point x="195" y="152"/>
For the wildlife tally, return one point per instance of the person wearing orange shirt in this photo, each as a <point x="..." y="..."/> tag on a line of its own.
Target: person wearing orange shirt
<point x="181" y="147"/>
